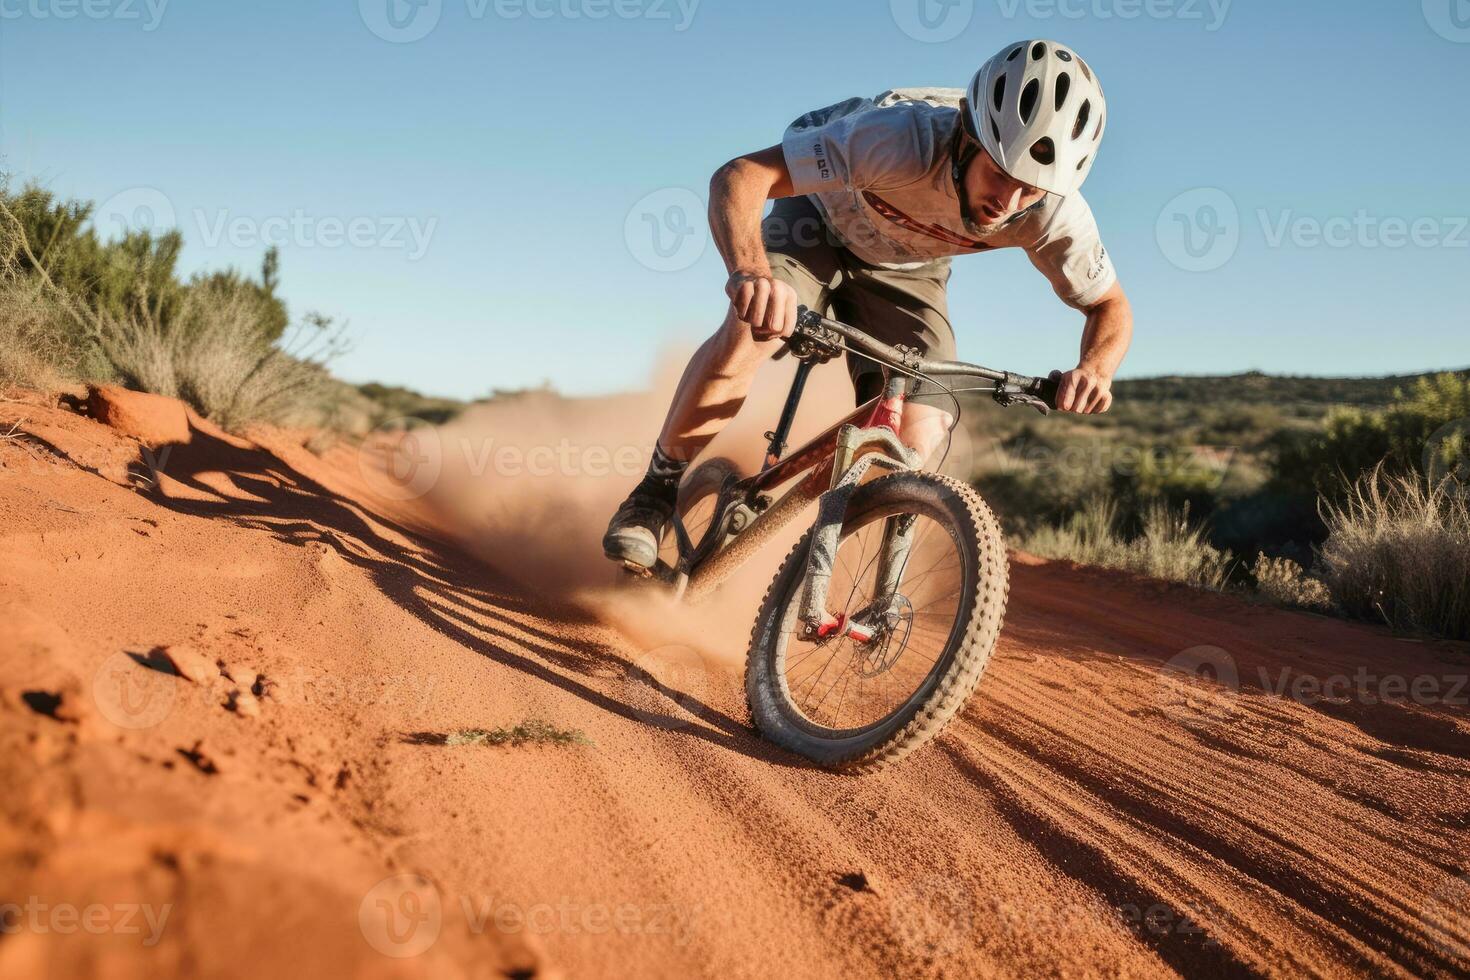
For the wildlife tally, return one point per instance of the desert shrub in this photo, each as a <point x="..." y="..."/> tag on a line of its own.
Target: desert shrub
<point x="38" y="345"/>
<point x="1398" y="550"/>
<point x="76" y="307"/>
<point x="1166" y="546"/>
<point x="1354" y="441"/>
<point x="1285" y="583"/>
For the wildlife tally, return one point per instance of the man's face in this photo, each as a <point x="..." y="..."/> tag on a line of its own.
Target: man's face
<point x="994" y="195"/>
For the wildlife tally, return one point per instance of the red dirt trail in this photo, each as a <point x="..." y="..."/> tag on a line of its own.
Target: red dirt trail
<point x="227" y="668"/>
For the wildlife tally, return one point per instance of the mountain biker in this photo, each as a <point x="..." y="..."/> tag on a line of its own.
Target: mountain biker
<point x="873" y="198"/>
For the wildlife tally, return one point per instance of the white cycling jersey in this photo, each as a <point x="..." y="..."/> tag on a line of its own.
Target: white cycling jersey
<point x="880" y="171"/>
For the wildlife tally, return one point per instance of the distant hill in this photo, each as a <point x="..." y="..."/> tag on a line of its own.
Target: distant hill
<point x="1255" y="387"/>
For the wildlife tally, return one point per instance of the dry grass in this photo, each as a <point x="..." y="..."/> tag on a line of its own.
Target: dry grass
<point x="1399" y="550"/>
<point x="1284" y="582"/>
<point x="1168" y="546"/>
<point x="213" y="354"/>
<point x="529" y="732"/>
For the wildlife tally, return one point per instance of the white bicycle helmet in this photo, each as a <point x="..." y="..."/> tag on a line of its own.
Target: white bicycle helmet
<point x="1039" y="111"/>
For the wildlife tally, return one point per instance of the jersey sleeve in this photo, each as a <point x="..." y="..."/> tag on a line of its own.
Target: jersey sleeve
<point x="855" y="144"/>
<point x="1071" y="255"/>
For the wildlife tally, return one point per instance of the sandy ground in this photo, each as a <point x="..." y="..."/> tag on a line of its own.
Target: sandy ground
<point x="227" y="668"/>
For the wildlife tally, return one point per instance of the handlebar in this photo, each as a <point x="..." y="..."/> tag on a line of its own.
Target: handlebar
<point x="1010" y="389"/>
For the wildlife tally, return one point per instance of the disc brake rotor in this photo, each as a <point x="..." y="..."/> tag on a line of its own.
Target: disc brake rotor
<point x="890" y="638"/>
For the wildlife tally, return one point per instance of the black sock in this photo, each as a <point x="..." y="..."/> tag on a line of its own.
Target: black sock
<point x="664" y="473"/>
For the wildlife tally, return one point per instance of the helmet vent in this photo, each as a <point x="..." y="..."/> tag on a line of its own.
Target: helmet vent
<point x="1064" y="55"/>
<point x="995" y="130"/>
<point x="1083" y="114"/>
<point x="1083" y="162"/>
<point x="1015" y="52"/>
<point x="1044" y="152"/>
<point x="1000" y="92"/>
<point x="1038" y="51"/>
<point x="1064" y="85"/>
<point x="1098" y="135"/>
<point x="1029" y="95"/>
<point x="1085" y="70"/>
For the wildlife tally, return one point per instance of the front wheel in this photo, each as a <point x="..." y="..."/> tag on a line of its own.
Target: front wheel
<point x="918" y="624"/>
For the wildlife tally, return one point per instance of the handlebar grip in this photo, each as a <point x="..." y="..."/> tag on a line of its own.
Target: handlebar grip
<point x="1047" y="389"/>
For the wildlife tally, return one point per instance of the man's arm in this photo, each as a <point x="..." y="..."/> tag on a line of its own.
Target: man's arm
<point x="1087" y="389"/>
<point x="738" y="192"/>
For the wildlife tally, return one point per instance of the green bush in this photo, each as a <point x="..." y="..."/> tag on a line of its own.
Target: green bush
<point x="1353" y="441"/>
<point x="75" y="307"/>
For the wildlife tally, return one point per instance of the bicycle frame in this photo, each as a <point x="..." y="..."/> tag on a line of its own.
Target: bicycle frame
<point x="834" y="462"/>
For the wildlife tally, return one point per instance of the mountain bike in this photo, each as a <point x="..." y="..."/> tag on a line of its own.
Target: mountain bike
<point x="880" y="621"/>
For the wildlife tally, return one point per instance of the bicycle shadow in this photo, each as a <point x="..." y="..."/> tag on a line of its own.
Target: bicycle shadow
<point x="435" y="582"/>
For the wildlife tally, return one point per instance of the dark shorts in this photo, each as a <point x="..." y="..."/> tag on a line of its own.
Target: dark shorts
<point x="906" y="307"/>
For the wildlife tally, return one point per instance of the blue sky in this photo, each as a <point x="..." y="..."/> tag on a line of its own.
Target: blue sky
<point x="481" y="202"/>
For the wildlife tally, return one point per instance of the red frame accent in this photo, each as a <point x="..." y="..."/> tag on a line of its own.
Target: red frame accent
<point x="887" y="412"/>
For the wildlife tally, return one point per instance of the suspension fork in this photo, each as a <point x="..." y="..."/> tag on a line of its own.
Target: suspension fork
<point x="858" y="450"/>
